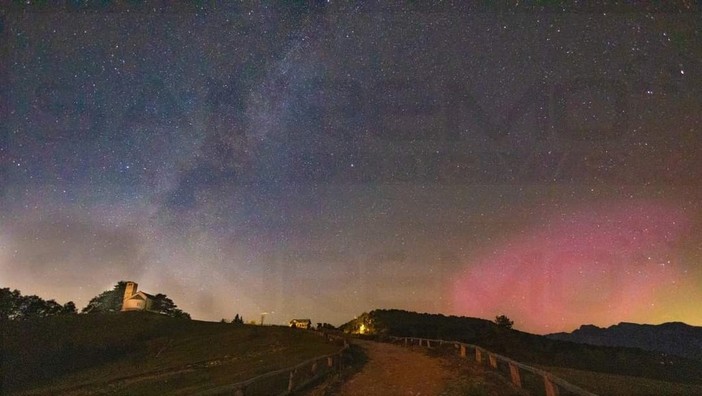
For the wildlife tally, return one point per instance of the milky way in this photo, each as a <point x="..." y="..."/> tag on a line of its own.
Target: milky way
<point x="321" y="161"/>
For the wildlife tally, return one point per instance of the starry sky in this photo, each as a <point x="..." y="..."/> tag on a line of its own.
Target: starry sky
<point x="322" y="160"/>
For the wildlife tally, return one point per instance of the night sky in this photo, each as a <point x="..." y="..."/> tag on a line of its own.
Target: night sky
<point x="322" y="161"/>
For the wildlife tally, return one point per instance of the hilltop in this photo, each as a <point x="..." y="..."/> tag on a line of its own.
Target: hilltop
<point x="673" y="338"/>
<point x="530" y="348"/>
<point x="143" y="353"/>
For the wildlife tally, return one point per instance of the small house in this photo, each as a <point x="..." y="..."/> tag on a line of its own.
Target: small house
<point x="136" y="300"/>
<point x="301" y="323"/>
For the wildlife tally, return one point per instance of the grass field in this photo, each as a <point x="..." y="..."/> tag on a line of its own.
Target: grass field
<point x="141" y="353"/>
<point x="621" y="385"/>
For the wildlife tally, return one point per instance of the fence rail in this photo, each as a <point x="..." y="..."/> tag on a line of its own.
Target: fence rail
<point x="552" y="384"/>
<point x="294" y="377"/>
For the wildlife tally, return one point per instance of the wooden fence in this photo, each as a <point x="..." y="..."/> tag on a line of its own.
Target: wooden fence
<point x="552" y="385"/>
<point x="287" y="380"/>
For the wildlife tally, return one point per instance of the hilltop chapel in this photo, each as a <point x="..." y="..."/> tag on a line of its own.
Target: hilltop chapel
<point x="136" y="300"/>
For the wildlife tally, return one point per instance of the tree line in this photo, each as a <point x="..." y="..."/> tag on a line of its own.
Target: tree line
<point x="238" y="320"/>
<point x="15" y="306"/>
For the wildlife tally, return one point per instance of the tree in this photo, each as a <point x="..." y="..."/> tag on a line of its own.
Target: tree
<point x="238" y="319"/>
<point x="107" y="301"/>
<point x="9" y="301"/>
<point x="325" y="326"/>
<point x="15" y="306"/>
<point x="36" y="307"/>
<point x="164" y="305"/>
<point x="504" y="322"/>
<point x="69" y="308"/>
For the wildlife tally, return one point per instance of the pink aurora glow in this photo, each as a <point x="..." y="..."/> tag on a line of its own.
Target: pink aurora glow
<point x="599" y="265"/>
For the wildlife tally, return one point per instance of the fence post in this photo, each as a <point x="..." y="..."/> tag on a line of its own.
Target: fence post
<point x="428" y="344"/>
<point x="478" y="355"/>
<point x="291" y="381"/>
<point x="314" y="367"/>
<point x="239" y="392"/>
<point x="405" y="341"/>
<point x="493" y="360"/>
<point x="514" y="373"/>
<point x="550" y="387"/>
<point x="463" y="351"/>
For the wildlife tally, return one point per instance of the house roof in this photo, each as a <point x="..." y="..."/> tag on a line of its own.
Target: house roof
<point x="141" y="295"/>
<point x="302" y="320"/>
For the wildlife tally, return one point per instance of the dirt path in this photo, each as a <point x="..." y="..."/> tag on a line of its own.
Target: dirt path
<point x="394" y="370"/>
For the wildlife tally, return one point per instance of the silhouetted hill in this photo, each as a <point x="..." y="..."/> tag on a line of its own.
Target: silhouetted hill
<point x="530" y="348"/>
<point x="673" y="338"/>
<point x="142" y="353"/>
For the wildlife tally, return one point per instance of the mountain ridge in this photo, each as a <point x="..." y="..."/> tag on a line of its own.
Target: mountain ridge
<point x="675" y="338"/>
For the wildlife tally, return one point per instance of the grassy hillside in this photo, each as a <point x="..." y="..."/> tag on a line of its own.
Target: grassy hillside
<point x="531" y="348"/>
<point x="619" y="385"/>
<point x="142" y="353"/>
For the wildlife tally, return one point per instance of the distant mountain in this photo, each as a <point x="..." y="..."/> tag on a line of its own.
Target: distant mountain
<point x="673" y="338"/>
